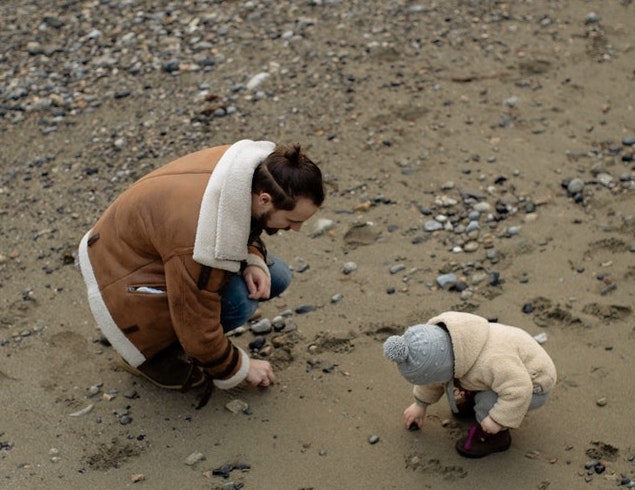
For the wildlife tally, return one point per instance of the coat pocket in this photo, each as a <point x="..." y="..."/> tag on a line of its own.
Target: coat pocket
<point x="146" y="289"/>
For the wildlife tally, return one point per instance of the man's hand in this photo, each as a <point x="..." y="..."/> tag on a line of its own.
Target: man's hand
<point x="260" y="373"/>
<point x="258" y="282"/>
<point x="415" y="413"/>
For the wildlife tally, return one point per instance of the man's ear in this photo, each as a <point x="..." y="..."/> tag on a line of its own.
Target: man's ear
<point x="265" y="199"/>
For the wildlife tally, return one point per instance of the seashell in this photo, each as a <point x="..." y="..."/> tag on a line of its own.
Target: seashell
<point x="83" y="411"/>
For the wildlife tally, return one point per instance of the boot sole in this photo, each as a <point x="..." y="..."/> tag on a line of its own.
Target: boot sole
<point x="471" y="455"/>
<point x="135" y="372"/>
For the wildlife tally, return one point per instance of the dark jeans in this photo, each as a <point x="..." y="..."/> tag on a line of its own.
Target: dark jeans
<point x="237" y="307"/>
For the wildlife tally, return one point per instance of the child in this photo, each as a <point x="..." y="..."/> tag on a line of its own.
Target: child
<point x="501" y="370"/>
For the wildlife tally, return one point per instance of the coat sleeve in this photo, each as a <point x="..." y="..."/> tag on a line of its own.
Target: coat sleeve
<point x="428" y="394"/>
<point x="513" y="385"/>
<point x="255" y="257"/>
<point x="195" y="315"/>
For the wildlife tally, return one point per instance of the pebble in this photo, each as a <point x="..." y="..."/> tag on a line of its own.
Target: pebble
<point x="224" y="471"/>
<point x="473" y="225"/>
<point x="194" y="458"/>
<point x="575" y="186"/>
<point x="512" y="101"/>
<point x="265" y="351"/>
<point x="237" y="406"/>
<point x="257" y="80"/>
<point x="301" y="266"/>
<point x="262" y="326"/>
<point x="447" y="281"/>
<point x="606" y="180"/>
<point x="321" y="226"/>
<point x="591" y="18"/>
<point x="432" y="225"/>
<point x="278" y="323"/>
<point x="92" y="391"/>
<point x="397" y="268"/>
<point x="470" y="247"/>
<point x="302" y="309"/>
<point x="257" y="344"/>
<point x="237" y="332"/>
<point x="349" y="267"/>
<point x="230" y="485"/>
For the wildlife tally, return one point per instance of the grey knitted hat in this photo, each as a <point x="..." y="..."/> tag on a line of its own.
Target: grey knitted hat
<point x="423" y="354"/>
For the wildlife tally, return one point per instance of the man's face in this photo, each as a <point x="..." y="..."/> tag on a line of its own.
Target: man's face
<point x="272" y="219"/>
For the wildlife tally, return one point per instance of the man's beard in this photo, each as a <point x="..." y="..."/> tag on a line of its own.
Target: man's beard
<point x="262" y="223"/>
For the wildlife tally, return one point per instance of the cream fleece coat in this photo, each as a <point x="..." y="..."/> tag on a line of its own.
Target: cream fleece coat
<point x="493" y="356"/>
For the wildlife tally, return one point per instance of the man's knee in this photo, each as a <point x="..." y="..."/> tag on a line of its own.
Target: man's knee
<point x="281" y="276"/>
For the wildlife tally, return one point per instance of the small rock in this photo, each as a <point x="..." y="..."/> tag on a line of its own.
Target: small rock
<point x="447" y="281"/>
<point x="278" y="323"/>
<point x="349" y="267"/>
<point x="432" y="225"/>
<point x="261" y="326"/>
<point x="237" y="406"/>
<point x="302" y="309"/>
<point x="336" y="298"/>
<point x="321" y="226"/>
<point x="237" y="331"/>
<point x="257" y="80"/>
<point x="194" y="458"/>
<point x="257" y="344"/>
<point x="92" y="391"/>
<point x="397" y="268"/>
<point x="223" y="470"/>
<point x="575" y="186"/>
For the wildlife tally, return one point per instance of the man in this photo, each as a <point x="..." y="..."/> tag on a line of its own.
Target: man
<point x="176" y="261"/>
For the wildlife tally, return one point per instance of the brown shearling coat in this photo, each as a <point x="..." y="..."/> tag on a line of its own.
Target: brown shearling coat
<point x="145" y="239"/>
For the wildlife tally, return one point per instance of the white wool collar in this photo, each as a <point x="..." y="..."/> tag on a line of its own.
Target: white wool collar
<point x="225" y="216"/>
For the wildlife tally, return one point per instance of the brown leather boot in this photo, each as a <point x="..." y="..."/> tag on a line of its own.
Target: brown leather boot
<point x="169" y="369"/>
<point x="478" y="444"/>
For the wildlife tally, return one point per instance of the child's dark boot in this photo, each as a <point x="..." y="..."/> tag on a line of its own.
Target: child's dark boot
<point x="478" y="444"/>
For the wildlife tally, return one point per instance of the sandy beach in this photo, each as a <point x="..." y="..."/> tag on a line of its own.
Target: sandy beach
<point x="478" y="157"/>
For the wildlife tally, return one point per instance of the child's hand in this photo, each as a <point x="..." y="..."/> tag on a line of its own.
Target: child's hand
<point x="490" y="427"/>
<point x="415" y="413"/>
